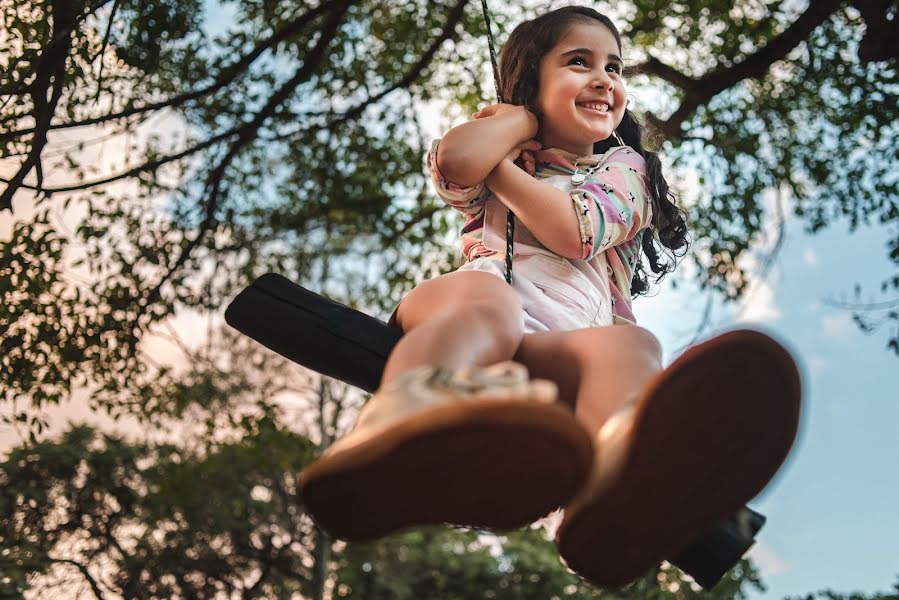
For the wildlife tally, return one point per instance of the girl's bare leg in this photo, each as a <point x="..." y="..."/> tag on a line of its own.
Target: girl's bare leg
<point x="709" y="435"/>
<point x="596" y="369"/>
<point x="433" y="451"/>
<point x="458" y="319"/>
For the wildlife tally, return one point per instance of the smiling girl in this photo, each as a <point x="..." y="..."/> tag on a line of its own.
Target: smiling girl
<point x="503" y="402"/>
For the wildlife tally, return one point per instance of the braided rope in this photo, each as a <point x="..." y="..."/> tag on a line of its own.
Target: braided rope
<point x="510" y="222"/>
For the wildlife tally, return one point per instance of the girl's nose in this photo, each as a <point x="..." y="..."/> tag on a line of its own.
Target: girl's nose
<point x="603" y="82"/>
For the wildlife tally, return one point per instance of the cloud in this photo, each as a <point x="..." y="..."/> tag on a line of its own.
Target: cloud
<point x="838" y="327"/>
<point x="768" y="562"/>
<point x="817" y="365"/>
<point x="759" y="304"/>
<point x="810" y="258"/>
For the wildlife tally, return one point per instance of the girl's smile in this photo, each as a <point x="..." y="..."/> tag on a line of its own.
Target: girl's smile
<point x="581" y="92"/>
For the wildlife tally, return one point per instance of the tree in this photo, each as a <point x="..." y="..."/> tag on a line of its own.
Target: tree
<point x="202" y="503"/>
<point x="87" y="513"/>
<point x="450" y="564"/>
<point x="832" y="595"/>
<point x="93" y="515"/>
<point x="292" y="134"/>
<point x="289" y="140"/>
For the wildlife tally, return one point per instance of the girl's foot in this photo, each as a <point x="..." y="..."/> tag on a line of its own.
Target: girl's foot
<point x="703" y="438"/>
<point x="482" y="447"/>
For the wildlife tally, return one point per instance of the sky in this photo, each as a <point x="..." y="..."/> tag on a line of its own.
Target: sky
<point x="832" y="517"/>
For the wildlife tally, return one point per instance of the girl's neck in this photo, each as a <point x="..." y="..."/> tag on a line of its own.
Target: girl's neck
<point x="549" y="143"/>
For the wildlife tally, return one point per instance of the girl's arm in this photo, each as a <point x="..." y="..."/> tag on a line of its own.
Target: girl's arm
<point x="545" y="210"/>
<point x="470" y="151"/>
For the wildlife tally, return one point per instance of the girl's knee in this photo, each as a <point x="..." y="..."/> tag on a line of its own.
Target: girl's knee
<point x="645" y="340"/>
<point x="480" y="286"/>
<point x="461" y="293"/>
<point x="613" y="343"/>
<point x="505" y="319"/>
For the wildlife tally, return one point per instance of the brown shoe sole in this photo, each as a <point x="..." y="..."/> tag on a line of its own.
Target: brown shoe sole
<point x="710" y="432"/>
<point x="497" y="464"/>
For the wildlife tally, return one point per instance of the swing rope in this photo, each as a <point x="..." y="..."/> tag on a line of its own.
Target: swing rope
<point x="510" y="222"/>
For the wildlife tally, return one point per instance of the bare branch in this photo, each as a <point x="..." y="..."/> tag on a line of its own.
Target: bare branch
<point x="115" y="8"/>
<point x="863" y="306"/>
<point x="225" y="77"/>
<point x="147" y="166"/>
<point x="245" y="134"/>
<point x="51" y="67"/>
<point x="448" y="31"/>
<point x="698" y="92"/>
<point x="98" y="593"/>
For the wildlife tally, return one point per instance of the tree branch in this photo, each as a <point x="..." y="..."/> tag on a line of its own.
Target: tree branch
<point x="248" y="132"/>
<point x="98" y="593"/>
<point x="863" y="306"/>
<point x="147" y="166"/>
<point x="225" y="77"/>
<point x="698" y="92"/>
<point x="245" y="134"/>
<point x="51" y="67"/>
<point x="115" y="8"/>
<point x="446" y="33"/>
<point x="17" y="86"/>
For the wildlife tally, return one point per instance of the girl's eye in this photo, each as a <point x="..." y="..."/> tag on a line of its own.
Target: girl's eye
<point x="578" y="59"/>
<point x="616" y="68"/>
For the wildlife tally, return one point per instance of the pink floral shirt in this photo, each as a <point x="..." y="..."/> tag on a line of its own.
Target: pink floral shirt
<point x="612" y="205"/>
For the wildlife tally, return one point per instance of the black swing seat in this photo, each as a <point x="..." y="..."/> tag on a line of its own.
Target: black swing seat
<point x="340" y="342"/>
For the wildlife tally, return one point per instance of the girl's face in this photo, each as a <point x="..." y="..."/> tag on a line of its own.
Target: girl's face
<point x="581" y="91"/>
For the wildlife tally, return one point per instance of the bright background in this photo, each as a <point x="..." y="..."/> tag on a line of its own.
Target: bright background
<point x="833" y="510"/>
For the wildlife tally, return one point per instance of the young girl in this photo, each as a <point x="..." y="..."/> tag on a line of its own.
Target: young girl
<point x="642" y="458"/>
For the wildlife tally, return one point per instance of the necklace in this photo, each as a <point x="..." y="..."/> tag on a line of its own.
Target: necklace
<point x="578" y="178"/>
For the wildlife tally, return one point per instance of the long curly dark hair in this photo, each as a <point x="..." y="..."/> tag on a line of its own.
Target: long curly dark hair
<point x="519" y="78"/>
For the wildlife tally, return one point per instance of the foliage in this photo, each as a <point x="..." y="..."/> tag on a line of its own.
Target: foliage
<point x="275" y="136"/>
<point x="248" y="136"/>
<point x="156" y="521"/>
<point x="832" y="595"/>
<point x="431" y="563"/>
<point x="96" y="513"/>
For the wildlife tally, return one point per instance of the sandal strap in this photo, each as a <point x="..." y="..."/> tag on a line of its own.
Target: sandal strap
<point x="427" y="386"/>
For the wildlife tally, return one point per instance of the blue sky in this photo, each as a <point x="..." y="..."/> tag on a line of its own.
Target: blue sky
<point x="832" y="516"/>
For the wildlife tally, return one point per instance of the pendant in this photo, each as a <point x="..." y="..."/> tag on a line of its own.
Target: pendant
<point x="578" y="179"/>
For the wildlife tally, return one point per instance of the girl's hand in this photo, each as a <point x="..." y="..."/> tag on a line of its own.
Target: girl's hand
<point x="524" y="152"/>
<point x="524" y="155"/>
<point x="495" y="109"/>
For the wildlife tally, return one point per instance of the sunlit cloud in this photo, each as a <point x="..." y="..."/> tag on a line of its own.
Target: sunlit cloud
<point x="760" y="304"/>
<point x="768" y="562"/>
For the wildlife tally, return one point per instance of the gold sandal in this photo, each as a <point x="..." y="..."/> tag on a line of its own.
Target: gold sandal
<point x="480" y="447"/>
<point x="703" y="438"/>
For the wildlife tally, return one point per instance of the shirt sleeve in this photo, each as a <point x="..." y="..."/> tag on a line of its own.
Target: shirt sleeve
<point x="613" y="205"/>
<point x="467" y="200"/>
